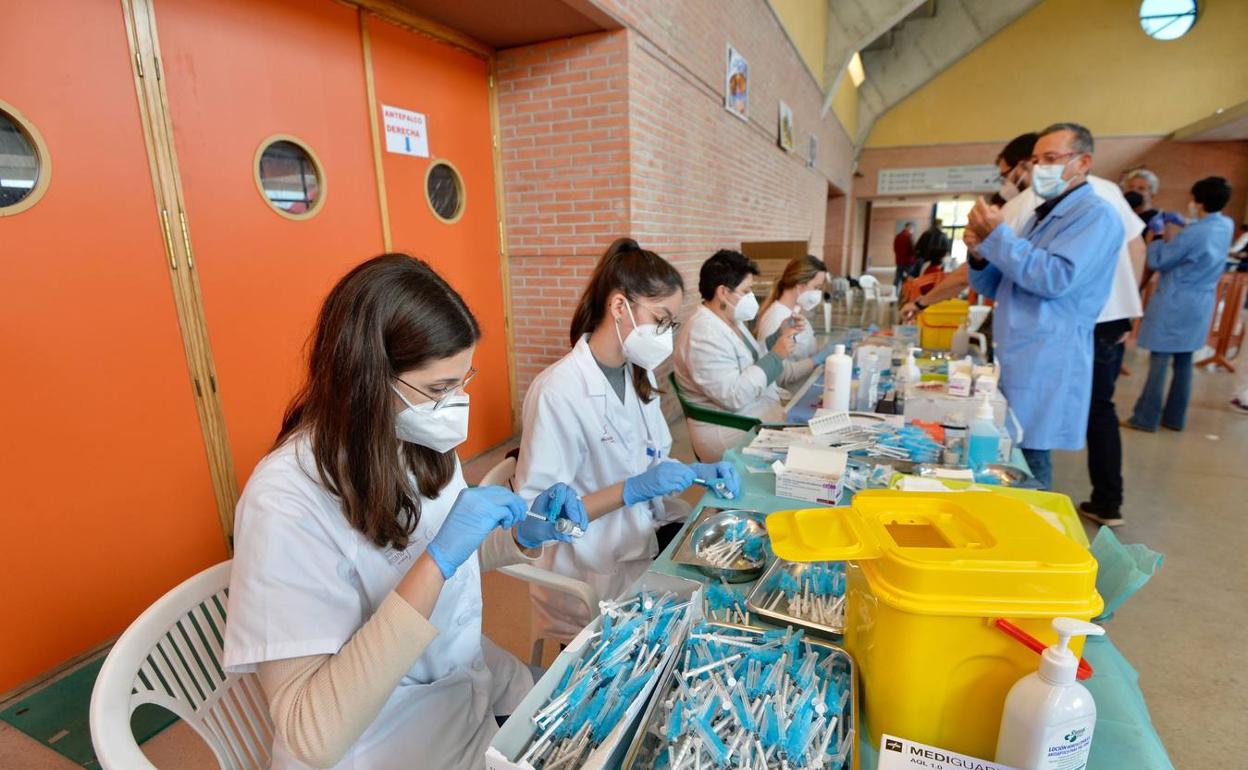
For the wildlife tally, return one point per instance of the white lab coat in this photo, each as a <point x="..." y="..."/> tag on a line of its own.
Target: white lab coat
<point x="1124" y="293"/>
<point x="304" y="581"/>
<point x="776" y="314"/>
<point x="716" y="367"/>
<point x="577" y="431"/>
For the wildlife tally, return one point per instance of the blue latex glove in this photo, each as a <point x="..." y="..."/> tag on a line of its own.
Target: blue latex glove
<point x="532" y="532"/>
<point x="1173" y="218"/>
<point x="822" y="355"/>
<point x="1157" y="224"/>
<point x="476" y="513"/>
<point x="667" y="478"/>
<point x="722" y="471"/>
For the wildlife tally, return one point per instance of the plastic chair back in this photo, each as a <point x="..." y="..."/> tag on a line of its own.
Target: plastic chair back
<point x="171" y="657"/>
<point x="699" y="413"/>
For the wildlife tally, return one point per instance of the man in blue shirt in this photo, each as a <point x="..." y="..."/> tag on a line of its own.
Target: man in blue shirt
<point x="1050" y="282"/>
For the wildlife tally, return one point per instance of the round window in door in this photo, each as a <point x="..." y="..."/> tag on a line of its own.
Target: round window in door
<point x="25" y="166"/>
<point x="290" y="177"/>
<point x="444" y="190"/>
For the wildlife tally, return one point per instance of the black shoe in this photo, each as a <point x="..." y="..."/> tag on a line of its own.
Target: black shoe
<point x="1110" y="516"/>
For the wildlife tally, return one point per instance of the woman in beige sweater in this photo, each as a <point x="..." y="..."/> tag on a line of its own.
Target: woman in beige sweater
<point x="356" y="587"/>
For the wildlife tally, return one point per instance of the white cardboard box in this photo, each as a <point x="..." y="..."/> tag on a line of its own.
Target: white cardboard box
<point x="901" y="754"/>
<point x="510" y="741"/>
<point x="812" y="473"/>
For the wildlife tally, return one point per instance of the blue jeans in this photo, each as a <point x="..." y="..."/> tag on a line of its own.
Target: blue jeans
<point x="1148" y="409"/>
<point x="1041" y="462"/>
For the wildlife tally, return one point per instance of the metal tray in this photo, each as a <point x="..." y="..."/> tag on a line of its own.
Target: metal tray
<point x="755" y="602"/>
<point x="645" y="737"/>
<point x="685" y="554"/>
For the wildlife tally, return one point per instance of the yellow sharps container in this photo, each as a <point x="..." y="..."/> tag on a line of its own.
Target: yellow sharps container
<point x="934" y="570"/>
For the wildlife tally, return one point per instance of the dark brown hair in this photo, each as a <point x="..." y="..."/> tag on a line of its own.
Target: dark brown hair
<point x="636" y="272"/>
<point x="389" y="315"/>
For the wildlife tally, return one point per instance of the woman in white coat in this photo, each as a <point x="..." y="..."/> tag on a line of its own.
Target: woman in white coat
<point x="593" y="419"/>
<point x="720" y="365"/>
<point x="355" y="592"/>
<point x="797" y="291"/>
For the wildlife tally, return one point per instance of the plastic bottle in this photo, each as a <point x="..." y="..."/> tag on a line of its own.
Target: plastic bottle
<point x="827" y="315"/>
<point x="838" y="375"/>
<point x="869" y="383"/>
<point x="908" y="373"/>
<point x="961" y="340"/>
<point x="1048" y="717"/>
<point x="984" y="440"/>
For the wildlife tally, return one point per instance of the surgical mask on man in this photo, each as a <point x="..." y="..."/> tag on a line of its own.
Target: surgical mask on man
<point x="1047" y="180"/>
<point x="440" y="429"/>
<point x="644" y="346"/>
<point x="746" y="308"/>
<point x="1009" y="190"/>
<point x="809" y="299"/>
<point x="1192" y="211"/>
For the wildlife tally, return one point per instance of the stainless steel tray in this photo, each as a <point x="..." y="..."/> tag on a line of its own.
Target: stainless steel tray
<point x="757" y="599"/>
<point x="646" y="740"/>
<point x="741" y="571"/>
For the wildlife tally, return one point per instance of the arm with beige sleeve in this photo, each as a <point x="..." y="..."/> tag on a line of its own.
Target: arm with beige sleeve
<point x="322" y="704"/>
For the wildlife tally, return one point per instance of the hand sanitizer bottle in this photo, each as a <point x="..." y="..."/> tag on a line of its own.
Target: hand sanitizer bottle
<point x="1048" y="718"/>
<point x="838" y="375"/>
<point x="984" y="439"/>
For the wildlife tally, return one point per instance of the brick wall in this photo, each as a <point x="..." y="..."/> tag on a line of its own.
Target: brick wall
<point x="625" y="133"/>
<point x="563" y="122"/>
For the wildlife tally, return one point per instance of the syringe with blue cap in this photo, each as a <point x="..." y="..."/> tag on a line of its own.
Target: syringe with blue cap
<point x="563" y="525"/>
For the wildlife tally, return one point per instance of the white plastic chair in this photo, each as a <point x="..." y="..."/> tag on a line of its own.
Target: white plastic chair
<point x="171" y="657"/>
<point x="500" y="475"/>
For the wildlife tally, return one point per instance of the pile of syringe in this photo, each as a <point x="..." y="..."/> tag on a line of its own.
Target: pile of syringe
<point x="738" y="540"/>
<point x="813" y="592"/>
<point x="748" y="699"/>
<point x="611" y="675"/>
<point x="725" y="605"/>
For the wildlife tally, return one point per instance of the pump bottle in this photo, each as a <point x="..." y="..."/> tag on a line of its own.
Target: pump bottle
<point x="838" y="374"/>
<point x="1048" y="718"/>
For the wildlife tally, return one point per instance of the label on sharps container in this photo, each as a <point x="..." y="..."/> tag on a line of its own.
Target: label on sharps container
<point x="901" y="754"/>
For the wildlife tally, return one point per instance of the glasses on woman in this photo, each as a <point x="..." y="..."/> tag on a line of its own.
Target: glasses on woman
<point x="663" y="321"/>
<point x="442" y="394"/>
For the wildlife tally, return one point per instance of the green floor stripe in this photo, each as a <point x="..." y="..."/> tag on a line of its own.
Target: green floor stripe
<point x="56" y="716"/>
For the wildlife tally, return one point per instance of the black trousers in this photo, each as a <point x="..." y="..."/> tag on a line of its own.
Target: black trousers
<point x="1104" y="439"/>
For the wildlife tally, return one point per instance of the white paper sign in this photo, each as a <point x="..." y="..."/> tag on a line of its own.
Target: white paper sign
<point x="901" y="754"/>
<point x="952" y="179"/>
<point x="405" y="131"/>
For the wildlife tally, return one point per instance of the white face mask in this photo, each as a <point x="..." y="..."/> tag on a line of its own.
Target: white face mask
<point x="441" y="430"/>
<point x="1009" y="190"/>
<point x="1047" y="181"/>
<point x="1192" y="211"/>
<point x="746" y="308"/>
<point x="644" y="346"/>
<point x="809" y="299"/>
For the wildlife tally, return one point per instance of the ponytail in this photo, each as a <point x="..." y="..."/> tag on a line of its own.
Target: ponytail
<point x="634" y="271"/>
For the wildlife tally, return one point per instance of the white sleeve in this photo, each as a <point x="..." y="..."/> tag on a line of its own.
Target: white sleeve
<point x="712" y="365"/>
<point x="553" y="444"/>
<point x="293" y="589"/>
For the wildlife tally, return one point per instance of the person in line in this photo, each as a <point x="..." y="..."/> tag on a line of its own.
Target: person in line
<point x="1014" y="165"/>
<point x="1145" y="184"/>
<point x="355" y="591"/>
<point x="1190" y="261"/>
<point x="1050" y="282"/>
<point x="903" y="254"/>
<point x="933" y="246"/>
<point x="720" y="365"/>
<point x="593" y="419"/>
<point x="797" y="291"/>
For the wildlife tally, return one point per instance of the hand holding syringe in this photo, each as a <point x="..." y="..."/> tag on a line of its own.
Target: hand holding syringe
<point x="552" y="503"/>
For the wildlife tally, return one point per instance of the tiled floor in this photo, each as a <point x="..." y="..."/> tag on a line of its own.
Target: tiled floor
<point x="1186" y="497"/>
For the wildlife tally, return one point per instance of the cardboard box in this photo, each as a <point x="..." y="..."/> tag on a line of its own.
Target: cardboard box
<point x="811" y="473"/>
<point x="513" y="737"/>
<point x="901" y="754"/>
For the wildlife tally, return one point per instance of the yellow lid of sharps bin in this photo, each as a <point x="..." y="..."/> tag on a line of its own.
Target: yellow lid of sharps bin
<point x="966" y="553"/>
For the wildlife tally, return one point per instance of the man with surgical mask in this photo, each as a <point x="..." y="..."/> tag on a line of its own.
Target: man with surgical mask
<point x="1050" y="278"/>
<point x="720" y="365"/>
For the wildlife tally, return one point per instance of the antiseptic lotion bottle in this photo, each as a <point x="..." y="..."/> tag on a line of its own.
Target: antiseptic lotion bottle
<point x="1048" y="718"/>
